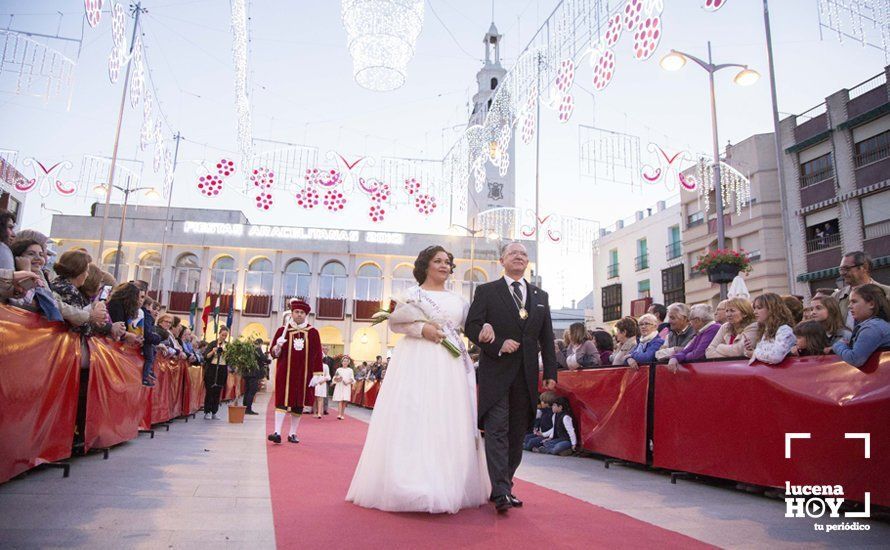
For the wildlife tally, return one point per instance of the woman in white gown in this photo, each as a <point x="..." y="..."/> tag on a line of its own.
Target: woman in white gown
<point x="423" y="452"/>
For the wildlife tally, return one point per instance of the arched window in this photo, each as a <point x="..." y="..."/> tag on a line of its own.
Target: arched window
<point x="369" y="283"/>
<point x="296" y="281"/>
<point x="149" y="270"/>
<point x="186" y="273"/>
<point x="258" y="288"/>
<point x="223" y="275"/>
<point x="259" y="277"/>
<point x="494" y="83"/>
<point x="108" y="263"/>
<point x="332" y="282"/>
<point x="402" y="279"/>
<point x="472" y="279"/>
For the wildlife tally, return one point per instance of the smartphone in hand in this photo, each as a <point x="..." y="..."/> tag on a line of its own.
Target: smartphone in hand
<point x="104" y="293"/>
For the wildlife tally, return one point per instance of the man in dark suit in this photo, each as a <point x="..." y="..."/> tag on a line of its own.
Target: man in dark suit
<point x="518" y="314"/>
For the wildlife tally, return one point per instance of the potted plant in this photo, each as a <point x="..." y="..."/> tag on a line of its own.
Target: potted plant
<point x="241" y="358"/>
<point x="722" y="266"/>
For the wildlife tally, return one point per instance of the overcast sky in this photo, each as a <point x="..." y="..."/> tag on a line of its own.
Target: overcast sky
<point x="302" y="91"/>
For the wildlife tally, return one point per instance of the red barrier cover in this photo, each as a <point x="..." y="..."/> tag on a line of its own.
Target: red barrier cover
<point x="177" y="372"/>
<point x="358" y="393"/>
<point x="609" y="406"/>
<point x="116" y="396"/>
<point x="372" y="388"/>
<point x="728" y="419"/>
<point x="39" y="381"/>
<point x="161" y="394"/>
<point x="193" y="389"/>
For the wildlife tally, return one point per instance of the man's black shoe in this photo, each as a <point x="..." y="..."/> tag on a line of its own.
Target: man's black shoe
<point x="503" y="503"/>
<point x="292" y="439"/>
<point x="515" y="501"/>
<point x="248" y="411"/>
<point x="275" y="438"/>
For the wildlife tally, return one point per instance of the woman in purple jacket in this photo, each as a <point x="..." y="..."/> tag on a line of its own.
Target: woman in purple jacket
<point x="702" y="320"/>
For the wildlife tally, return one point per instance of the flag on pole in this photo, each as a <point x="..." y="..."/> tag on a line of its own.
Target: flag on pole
<point x="205" y="315"/>
<point x="216" y="310"/>
<point x="231" y="315"/>
<point x="193" y="311"/>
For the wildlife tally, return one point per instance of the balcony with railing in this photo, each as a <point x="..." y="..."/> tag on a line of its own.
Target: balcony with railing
<point x="811" y="123"/>
<point x="871" y="160"/>
<point x="877" y="243"/>
<point x="824" y="252"/>
<point x="867" y="95"/>
<point x="817" y="192"/>
<point x="333" y="309"/>
<point x="695" y="219"/>
<point x="612" y="270"/>
<point x="806" y="180"/>
<point x="641" y="262"/>
<point x="673" y="250"/>
<point x="823" y="242"/>
<point x="364" y="310"/>
<point x="257" y="305"/>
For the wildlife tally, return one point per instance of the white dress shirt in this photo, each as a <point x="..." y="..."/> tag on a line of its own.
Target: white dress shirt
<point x="523" y="288"/>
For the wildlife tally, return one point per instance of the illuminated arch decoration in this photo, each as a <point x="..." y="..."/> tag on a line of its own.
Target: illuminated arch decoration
<point x="46" y="179"/>
<point x="668" y="168"/>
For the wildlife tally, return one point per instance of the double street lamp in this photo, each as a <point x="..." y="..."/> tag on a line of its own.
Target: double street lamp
<point x="676" y="60"/>
<point x="150" y="192"/>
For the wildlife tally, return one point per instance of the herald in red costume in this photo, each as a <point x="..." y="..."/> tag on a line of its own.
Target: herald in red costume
<point x="299" y="356"/>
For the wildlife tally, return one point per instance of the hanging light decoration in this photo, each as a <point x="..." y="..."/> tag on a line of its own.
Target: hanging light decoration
<point x="380" y="37"/>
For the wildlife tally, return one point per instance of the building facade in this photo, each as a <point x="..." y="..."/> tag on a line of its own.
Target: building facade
<point x="757" y="228"/>
<point x="637" y="262"/>
<point x="837" y="183"/>
<point x="255" y="269"/>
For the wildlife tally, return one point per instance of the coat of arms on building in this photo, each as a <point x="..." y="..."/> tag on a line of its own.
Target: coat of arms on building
<point x="495" y="191"/>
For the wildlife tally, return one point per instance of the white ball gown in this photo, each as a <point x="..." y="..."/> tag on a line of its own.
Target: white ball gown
<point x="423" y="452"/>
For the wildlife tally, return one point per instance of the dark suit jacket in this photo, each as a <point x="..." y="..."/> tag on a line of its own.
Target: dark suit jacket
<point x="494" y="304"/>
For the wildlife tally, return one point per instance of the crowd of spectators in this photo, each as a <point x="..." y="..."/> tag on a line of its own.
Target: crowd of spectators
<point x="70" y="287"/>
<point x="851" y="322"/>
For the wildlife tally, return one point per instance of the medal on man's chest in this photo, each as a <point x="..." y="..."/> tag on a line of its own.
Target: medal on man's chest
<point x="299" y="343"/>
<point x="523" y="314"/>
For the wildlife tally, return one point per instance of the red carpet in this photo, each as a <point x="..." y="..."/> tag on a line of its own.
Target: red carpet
<point x="309" y="483"/>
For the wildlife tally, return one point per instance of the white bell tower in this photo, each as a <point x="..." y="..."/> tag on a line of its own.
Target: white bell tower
<point x="498" y="191"/>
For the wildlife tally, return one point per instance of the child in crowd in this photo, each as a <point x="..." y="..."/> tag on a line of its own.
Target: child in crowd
<point x="543" y="421"/>
<point x="320" y="381"/>
<point x="560" y="439"/>
<point x="871" y="312"/>
<point x="776" y="337"/>
<point x="811" y="338"/>
<point x="344" y="378"/>
<point x="827" y="311"/>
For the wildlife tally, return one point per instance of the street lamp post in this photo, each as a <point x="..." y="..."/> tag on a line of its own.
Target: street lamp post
<point x="674" y="61"/>
<point x="120" y="237"/>
<point x="473" y="233"/>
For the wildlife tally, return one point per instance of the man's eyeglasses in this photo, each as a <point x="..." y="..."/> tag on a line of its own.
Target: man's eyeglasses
<point x="846" y="268"/>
